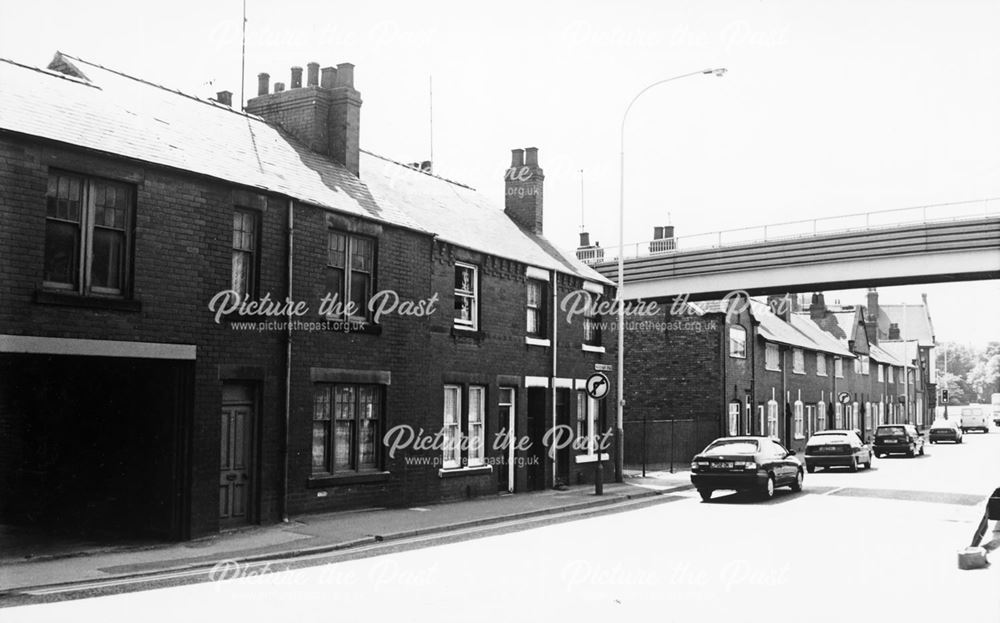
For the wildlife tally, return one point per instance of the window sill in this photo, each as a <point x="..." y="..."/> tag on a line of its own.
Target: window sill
<point x="537" y="341"/>
<point x="472" y="334"/>
<point x="592" y="458"/>
<point x="72" y="299"/>
<point x="452" y="472"/>
<point x="320" y="482"/>
<point x="589" y="348"/>
<point x="732" y="356"/>
<point x="772" y="369"/>
<point x="803" y="373"/>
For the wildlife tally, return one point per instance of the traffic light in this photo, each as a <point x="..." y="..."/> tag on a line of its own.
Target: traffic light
<point x="944" y="395"/>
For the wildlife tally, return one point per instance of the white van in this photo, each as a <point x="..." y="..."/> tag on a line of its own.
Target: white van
<point x="974" y="418"/>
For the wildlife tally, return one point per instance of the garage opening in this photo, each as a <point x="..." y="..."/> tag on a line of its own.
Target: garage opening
<point x="93" y="446"/>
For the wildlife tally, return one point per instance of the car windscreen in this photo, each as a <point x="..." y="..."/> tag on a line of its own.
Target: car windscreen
<point x="943" y="424"/>
<point x="890" y="431"/>
<point x="734" y="446"/>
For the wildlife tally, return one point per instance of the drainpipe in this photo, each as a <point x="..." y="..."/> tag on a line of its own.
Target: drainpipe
<point x="288" y="363"/>
<point x="555" y="371"/>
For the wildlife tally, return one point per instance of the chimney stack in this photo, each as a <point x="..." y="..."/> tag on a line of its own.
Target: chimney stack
<point x="325" y="114"/>
<point x="523" y="190"/>
<point x="263" y="84"/>
<point x="894" y="331"/>
<point x="224" y="97"/>
<point x="329" y="77"/>
<point x="584" y="239"/>
<point x="817" y="308"/>
<point x="871" y="316"/>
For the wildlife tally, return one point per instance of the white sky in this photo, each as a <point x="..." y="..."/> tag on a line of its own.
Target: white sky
<point x="828" y="108"/>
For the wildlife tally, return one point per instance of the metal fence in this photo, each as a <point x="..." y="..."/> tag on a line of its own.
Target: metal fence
<point x="666" y="444"/>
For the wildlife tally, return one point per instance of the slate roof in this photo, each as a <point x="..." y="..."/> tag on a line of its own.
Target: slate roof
<point x="900" y="350"/>
<point x="111" y="112"/>
<point x="880" y="355"/>
<point x="914" y="323"/>
<point x="794" y="333"/>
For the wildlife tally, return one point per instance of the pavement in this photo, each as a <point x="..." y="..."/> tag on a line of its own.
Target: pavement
<point x="33" y="559"/>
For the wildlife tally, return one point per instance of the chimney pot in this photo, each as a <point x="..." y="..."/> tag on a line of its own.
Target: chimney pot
<point x="516" y="158"/>
<point x="224" y="97"/>
<point x="657" y="233"/>
<point x="584" y="239"/>
<point x="312" y="74"/>
<point x="263" y="83"/>
<point x="345" y="75"/>
<point x="329" y="78"/>
<point x="425" y="166"/>
<point x="279" y="87"/>
<point x="296" y="78"/>
<point x="531" y="157"/>
<point x="668" y="231"/>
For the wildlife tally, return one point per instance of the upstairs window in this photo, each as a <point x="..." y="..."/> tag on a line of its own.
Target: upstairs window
<point x="772" y="357"/>
<point x="88" y="235"/>
<point x="244" y="281"/>
<point x="738" y="342"/>
<point x="592" y="325"/>
<point x="536" y="308"/>
<point x="881" y="373"/>
<point x="820" y="364"/>
<point x="865" y="365"/>
<point x="838" y="367"/>
<point x="350" y="273"/>
<point x="892" y="374"/>
<point x="798" y="361"/>
<point x="466" y="296"/>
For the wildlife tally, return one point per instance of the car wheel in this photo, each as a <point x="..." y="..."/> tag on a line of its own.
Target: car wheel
<point x="868" y="465"/>
<point x="854" y="464"/>
<point x="768" y="491"/>
<point x="797" y="485"/>
<point x="921" y="449"/>
<point x="811" y="468"/>
<point x="910" y="451"/>
<point x="706" y="494"/>
<point x="959" y="440"/>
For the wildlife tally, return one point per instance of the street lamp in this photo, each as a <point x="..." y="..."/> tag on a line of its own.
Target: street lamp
<point x="620" y="430"/>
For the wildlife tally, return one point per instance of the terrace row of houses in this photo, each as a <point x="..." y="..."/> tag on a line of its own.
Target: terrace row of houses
<point x="211" y="317"/>
<point x="742" y="366"/>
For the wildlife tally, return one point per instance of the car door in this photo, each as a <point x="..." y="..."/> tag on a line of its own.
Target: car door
<point x="865" y="452"/>
<point x="784" y="467"/>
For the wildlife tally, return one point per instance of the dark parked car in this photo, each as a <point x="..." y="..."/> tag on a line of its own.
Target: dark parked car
<point x="898" y="439"/>
<point x="745" y="464"/>
<point x="946" y="430"/>
<point x="837" y="448"/>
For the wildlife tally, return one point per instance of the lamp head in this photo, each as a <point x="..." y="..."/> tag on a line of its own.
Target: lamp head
<point x="721" y="71"/>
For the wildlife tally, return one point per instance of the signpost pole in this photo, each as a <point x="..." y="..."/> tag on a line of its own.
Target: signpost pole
<point x="597" y="388"/>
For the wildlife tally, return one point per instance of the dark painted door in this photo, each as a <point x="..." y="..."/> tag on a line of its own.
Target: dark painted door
<point x="563" y="453"/>
<point x="506" y="427"/>
<point x="236" y="454"/>
<point x="535" y="468"/>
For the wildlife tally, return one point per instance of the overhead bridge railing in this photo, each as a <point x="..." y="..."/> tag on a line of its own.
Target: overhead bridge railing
<point x="861" y="221"/>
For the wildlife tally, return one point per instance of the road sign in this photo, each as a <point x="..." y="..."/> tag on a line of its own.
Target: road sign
<point x="844" y="397"/>
<point x="598" y="385"/>
<point x="604" y="367"/>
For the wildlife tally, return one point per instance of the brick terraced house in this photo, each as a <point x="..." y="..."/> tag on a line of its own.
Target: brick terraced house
<point x="142" y="392"/>
<point x="701" y="370"/>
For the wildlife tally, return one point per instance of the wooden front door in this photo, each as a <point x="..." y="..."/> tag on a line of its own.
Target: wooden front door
<point x="237" y="434"/>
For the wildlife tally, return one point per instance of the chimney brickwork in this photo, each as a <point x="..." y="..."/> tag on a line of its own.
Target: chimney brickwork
<point x="325" y="114"/>
<point x="523" y="190"/>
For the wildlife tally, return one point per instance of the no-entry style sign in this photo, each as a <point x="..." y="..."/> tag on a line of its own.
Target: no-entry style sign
<point x="598" y="385"/>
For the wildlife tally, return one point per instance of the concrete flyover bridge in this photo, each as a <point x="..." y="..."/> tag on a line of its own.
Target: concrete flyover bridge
<point x="926" y="244"/>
